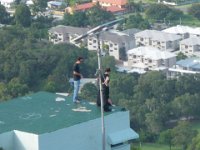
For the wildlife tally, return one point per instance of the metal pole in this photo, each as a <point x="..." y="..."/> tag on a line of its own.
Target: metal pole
<point x="101" y="92"/>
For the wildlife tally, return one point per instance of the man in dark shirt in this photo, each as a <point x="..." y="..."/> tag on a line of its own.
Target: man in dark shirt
<point x="77" y="77"/>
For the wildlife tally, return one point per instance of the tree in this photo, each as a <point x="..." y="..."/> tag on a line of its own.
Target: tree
<point x="166" y="138"/>
<point x="96" y="16"/>
<point x="89" y="92"/>
<point x="23" y="15"/>
<point x="39" y="5"/>
<point x="4" y="15"/>
<point x="183" y="134"/>
<point x="78" y="19"/>
<point x="195" y="10"/>
<point x="195" y="144"/>
<point x="180" y="56"/>
<point x="137" y="21"/>
<point x="160" y="11"/>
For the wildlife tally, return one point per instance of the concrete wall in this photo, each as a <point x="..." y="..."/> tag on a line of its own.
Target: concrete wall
<point x="25" y="141"/>
<point x="85" y="136"/>
<point x="6" y="140"/>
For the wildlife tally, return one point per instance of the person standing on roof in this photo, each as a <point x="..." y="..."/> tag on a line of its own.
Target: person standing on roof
<point x="77" y="77"/>
<point x="106" y="91"/>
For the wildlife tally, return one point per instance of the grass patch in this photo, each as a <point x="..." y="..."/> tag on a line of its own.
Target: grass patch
<point x="196" y="125"/>
<point x="154" y="146"/>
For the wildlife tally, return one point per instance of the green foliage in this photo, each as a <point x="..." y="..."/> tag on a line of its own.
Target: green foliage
<point x="195" y="144"/>
<point x="97" y="16"/>
<point x="78" y="19"/>
<point x="183" y="134"/>
<point x="4" y="15"/>
<point x="137" y="21"/>
<point x="39" y="5"/>
<point x="23" y="15"/>
<point x="166" y="137"/>
<point x="180" y="56"/>
<point x="195" y="10"/>
<point x="160" y="11"/>
<point x="89" y="92"/>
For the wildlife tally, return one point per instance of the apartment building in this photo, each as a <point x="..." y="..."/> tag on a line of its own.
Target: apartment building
<point x="112" y="43"/>
<point x="61" y="34"/>
<point x="190" y="46"/>
<point x="49" y="121"/>
<point x="184" y="31"/>
<point x="150" y="58"/>
<point x="158" y="39"/>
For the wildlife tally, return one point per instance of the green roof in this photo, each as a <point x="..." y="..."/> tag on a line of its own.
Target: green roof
<point x="44" y="112"/>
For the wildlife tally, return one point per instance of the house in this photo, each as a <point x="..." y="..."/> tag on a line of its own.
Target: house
<point x="116" y="7"/>
<point x="48" y="121"/>
<point x="185" y="66"/>
<point x="112" y="43"/>
<point x="190" y="46"/>
<point x="54" y="4"/>
<point x="80" y="7"/>
<point x="158" y="39"/>
<point x="107" y="3"/>
<point x="7" y="3"/>
<point x="60" y="33"/>
<point x="150" y="58"/>
<point x="184" y="31"/>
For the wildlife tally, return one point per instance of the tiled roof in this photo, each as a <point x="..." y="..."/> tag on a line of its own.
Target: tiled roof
<point x="84" y="6"/>
<point x="115" y="9"/>
<point x="44" y="112"/>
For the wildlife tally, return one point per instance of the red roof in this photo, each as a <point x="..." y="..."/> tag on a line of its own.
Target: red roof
<point x="114" y="2"/>
<point x="114" y="9"/>
<point x="84" y="6"/>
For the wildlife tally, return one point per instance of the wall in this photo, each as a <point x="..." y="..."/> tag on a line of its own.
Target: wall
<point x="84" y="136"/>
<point x="6" y="140"/>
<point x="25" y="141"/>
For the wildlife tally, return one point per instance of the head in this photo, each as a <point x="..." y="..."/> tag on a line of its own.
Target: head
<point x="107" y="70"/>
<point x="80" y="59"/>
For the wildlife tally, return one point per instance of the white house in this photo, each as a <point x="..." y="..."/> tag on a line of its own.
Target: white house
<point x="184" y="31"/>
<point x="48" y="121"/>
<point x="60" y="33"/>
<point x="150" y="58"/>
<point x="158" y="39"/>
<point x="190" y="46"/>
<point x="112" y="42"/>
<point x="7" y="3"/>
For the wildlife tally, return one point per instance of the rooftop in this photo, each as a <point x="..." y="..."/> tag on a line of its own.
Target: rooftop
<point x="179" y="29"/>
<point x="191" y="41"/>
<point x="189" y="63"/>
<point x="44" y="112"/>
<point x="158" y="35"/>
<point x="151" y="52"/>
<point x="113" y="2"/>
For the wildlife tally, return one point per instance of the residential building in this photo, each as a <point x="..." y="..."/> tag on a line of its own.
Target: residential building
<point x="184" y="31"/>
<point x="48" y="121"/>
<point x="112" y="43"/>
<point x="60" y="33"/>
<point x="185" y="66"/>
<point x="114" y="6"/>
<point x="158" y="39"/>
<point x="190" y="46"/>
<point x="7" y="3"/>
<point x="54" y="4"/>
<point x="117" y="3"/>
<point x="150" y="58"/>
<point x="80" y="7"/>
